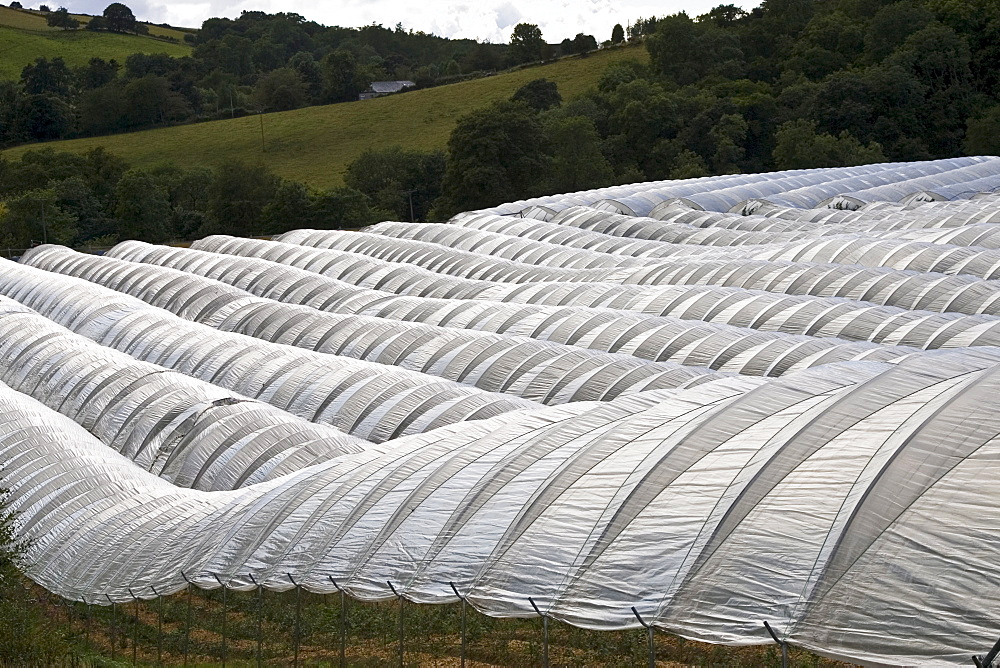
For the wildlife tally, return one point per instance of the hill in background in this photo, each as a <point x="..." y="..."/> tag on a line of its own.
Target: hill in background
<point x="314" y="145"/>
<point x="25" y="36"/>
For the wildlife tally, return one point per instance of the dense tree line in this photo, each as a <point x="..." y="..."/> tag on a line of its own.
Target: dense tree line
<point x="257" y="62"/>
<point x="95" y="199"/>
<point x="790" y="84"/>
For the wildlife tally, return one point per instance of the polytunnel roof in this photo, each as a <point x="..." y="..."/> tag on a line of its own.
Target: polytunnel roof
<point x="635" y="397"/>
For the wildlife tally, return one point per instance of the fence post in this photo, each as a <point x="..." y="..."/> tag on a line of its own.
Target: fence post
<point x="260" y="612"/>
<point x="298" y="616"/>
<point x="781" y="643"/>
<point x="987" y="660"/>
<point x="159" y="626"/>
<point x="649" y="633"/>
<point x="187" y="625"/>
<point x="135" y="625"/>
<point x="343" y="623"/>
<point x="545" y="633"/>
<point x="400" y="599"/>
<point x="114" y="625"/>
<point x="225" y="645"/>
<point x="86" y="628"/>
<point x="462" y="599"/>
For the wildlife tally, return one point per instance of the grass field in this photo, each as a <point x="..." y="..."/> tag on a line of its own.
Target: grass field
<point x="314" y="145"/>
<point x="24" y="36"/>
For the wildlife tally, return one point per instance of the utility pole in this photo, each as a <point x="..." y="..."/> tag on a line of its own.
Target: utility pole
<point x="263" y="149"/>
<point x="409" y="194"/>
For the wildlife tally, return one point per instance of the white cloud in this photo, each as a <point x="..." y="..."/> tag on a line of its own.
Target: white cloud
<point x="494" y="21"/>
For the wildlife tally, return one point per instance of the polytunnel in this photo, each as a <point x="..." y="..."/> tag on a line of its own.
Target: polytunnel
<point x="609" y="408"/>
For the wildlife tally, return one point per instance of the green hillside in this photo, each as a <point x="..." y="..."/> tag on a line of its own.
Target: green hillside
<point x="315" y="144"/>
<point x="25" y="36"/>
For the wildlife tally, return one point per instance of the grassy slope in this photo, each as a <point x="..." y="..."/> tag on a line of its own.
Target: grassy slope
<point x="24" y="36"/>
<point x="315" y="144"/>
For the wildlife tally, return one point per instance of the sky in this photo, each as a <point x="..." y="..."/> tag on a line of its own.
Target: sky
<point x="491" y="20"/>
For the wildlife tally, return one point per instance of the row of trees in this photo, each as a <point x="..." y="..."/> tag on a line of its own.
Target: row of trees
<point x="97" y="199"/>
<point x="116" y="18"/>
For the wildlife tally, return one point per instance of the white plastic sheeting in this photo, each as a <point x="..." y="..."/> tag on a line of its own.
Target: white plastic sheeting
<point x="801" y="188"/>
<point x="843" y="504"/>
<point x="547" y="372"/>
<point x="187" y="431"/>
<point x="372" y="401"/>
<point x="852" y="313"/>
<point x="835" y="483"/>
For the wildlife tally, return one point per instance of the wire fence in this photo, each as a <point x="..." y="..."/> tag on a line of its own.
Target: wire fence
<point x="223" y="626"/>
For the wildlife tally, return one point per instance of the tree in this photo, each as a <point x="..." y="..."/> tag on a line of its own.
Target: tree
<point x="343" y="80"/>
<point x="119" y="18"/>
<point x="75" y="197"/>
<point x="799" y="146"/>
<point x="982" y="138"/>
<point x="526" y="43"/>
<point x="495" y="154"/>
<point x="289" y="209"/>
<point x="689" y="165"/>
<point x="61" y="19"/>
<point x="617" y="34"/>
<point x="45" y="9"/>
<point x="539" y="94"/>
<point x="340" y="208"/>
<point x="150" y="101"/>
<point x="395" y="178"/>
<point x="46" y="76"/>
<point x="685" y="51"/>
<point x="102" y="110"/>
<point x="34" y="217"/>
<point x="577" y="161"/>
<point x="280" y="90"/>
<point x="584" y="43"/>
<point x="237" y="197"/>
<point x="96" y="23"/>
<point x="141" y="207"/>
<point x="16" y="5"/>
<point x="46" y="117"/>
<point x="724" y="16"/>
<point x="98" y="72"/>
<point x="12" y="101"/>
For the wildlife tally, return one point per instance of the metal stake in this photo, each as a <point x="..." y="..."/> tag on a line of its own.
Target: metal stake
<point x="343" y="624"/>
<point x="225" y="646"/>
<point x="401" y="649"/>
<point x="987" y="661"/>
<point x="781" y="643"/>
<point x="159" y="626"/>
<point x="87" y="627"/>
<point x="135" y="625"/>
<point x="649" y="633"/>
<point x="545" y="633"/>
<point x="187" y="626"/>
<point x="260" y="612"/>
<point x="462" y="599"/>
<point x="298" y="616"/>
<point x="114" y="626"/>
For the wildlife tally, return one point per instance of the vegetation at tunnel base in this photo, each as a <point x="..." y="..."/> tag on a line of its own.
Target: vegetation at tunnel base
<point x="100" y="636"/>
<point x="314" y="145"/>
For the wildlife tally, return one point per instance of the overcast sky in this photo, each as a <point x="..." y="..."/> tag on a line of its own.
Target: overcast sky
<point x="492" y="20"/>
